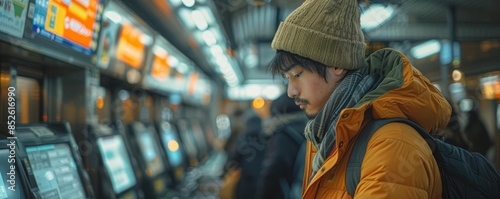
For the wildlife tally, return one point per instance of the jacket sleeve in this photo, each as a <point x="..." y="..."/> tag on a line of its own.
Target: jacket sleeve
<point x="277" y="165"/>
<point x="398" y="166"/>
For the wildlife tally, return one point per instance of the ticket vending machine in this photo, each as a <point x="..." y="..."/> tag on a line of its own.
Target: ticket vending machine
<point x="145" y="145"/>
<point x="116" y="176"/>
<point x="50" y="158"/>
<point x="173" y="149"/>
<point x="12" y="177"/>
<point x="189" y="143"/>
<point x="200" y="140"/>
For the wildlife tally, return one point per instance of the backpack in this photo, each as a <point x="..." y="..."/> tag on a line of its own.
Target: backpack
<point x="464" y="174"/>
<point x="294" y="190"/>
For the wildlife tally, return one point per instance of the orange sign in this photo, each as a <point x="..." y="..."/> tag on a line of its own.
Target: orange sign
<point x="130" y="48"/>
<point x="72" y="20"/>
<point x="160" y="69"/>
<point x="496" y="87"/>
<point x="192" y="83"/>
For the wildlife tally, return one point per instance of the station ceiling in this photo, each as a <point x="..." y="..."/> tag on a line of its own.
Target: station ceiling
<point x="249" y="30"/>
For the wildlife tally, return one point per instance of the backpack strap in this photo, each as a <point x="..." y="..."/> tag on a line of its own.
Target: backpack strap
<point x="353" y="175"/>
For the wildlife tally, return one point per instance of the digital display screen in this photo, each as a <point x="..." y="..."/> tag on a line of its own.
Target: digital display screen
<point x="490" y="87"/>
<point x="10" y="184"/>
<point x="55" y="171"/>
<point x="160" y="69"/>
<point x="75" y="23"/>
<point x="172" y="146"/>
<point x="131" y="46"/>
<point x="117" y="162"/>
<point x="150" y="152"/>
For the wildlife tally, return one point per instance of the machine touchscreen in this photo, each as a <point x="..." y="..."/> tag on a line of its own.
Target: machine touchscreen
<point x="117" y="162"/>
<point x="55" y="171"/>
<point x="172" y="147"/>
<point x="151" y="153"/>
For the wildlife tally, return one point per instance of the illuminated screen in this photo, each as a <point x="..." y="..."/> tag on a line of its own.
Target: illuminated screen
<point x="151" y="153"/>
<point x="160" y="68"/>
<point x="490" y="87"/>
<point x="131" y="45"/>
<point x="10" y="184"/>
<point x="117" y="162"/>
<point x="55" y="171"/>
<point x="172" y="147"/>
<point x="70" y="22"/>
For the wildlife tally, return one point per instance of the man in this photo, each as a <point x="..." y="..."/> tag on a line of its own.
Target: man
<point x="282" y="168"/>
<point x="320" y="51"/>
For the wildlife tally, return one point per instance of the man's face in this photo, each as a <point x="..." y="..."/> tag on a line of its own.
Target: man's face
<point x="310" y="90"/>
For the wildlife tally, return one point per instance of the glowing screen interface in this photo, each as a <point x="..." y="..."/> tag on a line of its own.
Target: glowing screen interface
<point x="151" y="153"/>
<point x="10" y="185"/>
<point x="117" y="162"/>
<point x="172" y="147"/>
<point x="70" y="22"/>
<point x="55" y="171"/>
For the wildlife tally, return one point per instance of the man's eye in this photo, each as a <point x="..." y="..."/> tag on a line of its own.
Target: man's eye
<point x="298" y="74"/>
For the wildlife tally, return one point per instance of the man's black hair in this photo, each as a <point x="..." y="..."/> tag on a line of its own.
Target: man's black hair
<point x="283" y="61"/>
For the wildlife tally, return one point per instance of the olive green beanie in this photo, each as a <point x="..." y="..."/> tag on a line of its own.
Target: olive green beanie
<point x="326" y="31"/>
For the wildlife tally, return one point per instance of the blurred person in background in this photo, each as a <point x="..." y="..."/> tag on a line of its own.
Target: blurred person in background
<point x="473" y="127"/>
<point x="248" y="156"/>
<point x="282" y="168"/>
<point x="453" y="133"/>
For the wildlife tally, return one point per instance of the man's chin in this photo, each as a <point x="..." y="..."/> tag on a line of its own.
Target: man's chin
<point x="311" y="116"/>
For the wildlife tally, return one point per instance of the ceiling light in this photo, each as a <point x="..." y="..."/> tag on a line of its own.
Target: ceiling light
<point x="251" y="60"/>
<point x="216" y="50"/>
<point x="183" y="68"/>
<point x="199" y="20"/>
<point x="209" y="37"/>
<point x="207" y="13"/>
<point x="375" y="16"/>
<point x="188" y="3"/>
<point x="426" y="49"/>
<point x="172" y="61"/>
<point x="185" y="16"/>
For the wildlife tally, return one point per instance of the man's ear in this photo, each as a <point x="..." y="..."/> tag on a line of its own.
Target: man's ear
<point x="339" y="71"/>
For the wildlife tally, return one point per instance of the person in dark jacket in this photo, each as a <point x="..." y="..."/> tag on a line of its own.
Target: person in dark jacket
<point x="453" y="134"/>
<point x="285" y="129"/>
<point x="248" y="156"/>
<point x="474" y="127"/>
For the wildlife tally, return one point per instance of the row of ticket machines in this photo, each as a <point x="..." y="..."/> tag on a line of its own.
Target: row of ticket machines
<point x="131" y="161"/>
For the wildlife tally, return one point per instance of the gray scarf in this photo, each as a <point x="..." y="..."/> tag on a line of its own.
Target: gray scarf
<point x="321" y="130"/>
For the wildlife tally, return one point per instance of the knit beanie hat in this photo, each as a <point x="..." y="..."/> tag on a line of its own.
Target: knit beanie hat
<point x="326" y="31"/>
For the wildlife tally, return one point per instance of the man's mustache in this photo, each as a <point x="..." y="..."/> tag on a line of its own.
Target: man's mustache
<point x="301" y="101"/>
